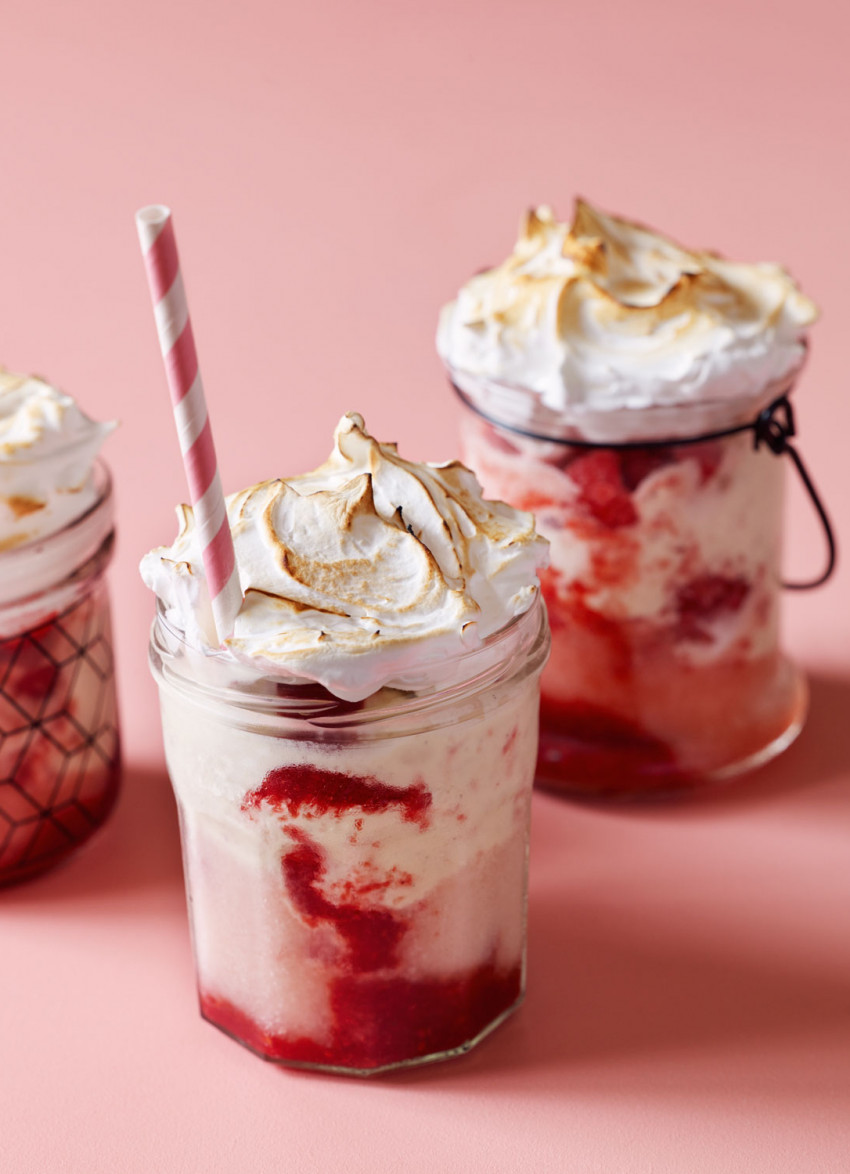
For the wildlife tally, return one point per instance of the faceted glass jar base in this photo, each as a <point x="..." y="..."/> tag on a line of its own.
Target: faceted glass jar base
<point x="445" y="1035"/>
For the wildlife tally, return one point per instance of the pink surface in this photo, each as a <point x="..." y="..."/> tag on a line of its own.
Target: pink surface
<point x="336" y="169"/>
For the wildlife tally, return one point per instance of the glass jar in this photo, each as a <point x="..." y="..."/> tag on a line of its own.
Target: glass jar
<point x="59" y="746"/>
<point x="663" y="589"/>
<point x="356" y="872"/>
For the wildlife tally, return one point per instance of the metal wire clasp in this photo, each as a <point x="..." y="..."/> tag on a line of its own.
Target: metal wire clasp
<point x="774" y="427"/>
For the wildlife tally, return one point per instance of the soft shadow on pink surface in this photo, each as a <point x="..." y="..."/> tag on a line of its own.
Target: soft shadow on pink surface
<point x="138" y="848"/>
<point x="601" y="994"/>
<point x="604" y="987"/>
<point x="608" y="983"/>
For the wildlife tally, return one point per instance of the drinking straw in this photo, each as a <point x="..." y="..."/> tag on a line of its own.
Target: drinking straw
<point x="171" y="311"/>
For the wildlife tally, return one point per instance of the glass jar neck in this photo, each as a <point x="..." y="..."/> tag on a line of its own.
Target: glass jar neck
<point x="218" y="681"/>
<point x="521" y="410"/>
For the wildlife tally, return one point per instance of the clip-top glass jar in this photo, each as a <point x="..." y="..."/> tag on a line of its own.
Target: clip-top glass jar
<point x="663" y="590"/>
<point x="356" y="872"/>
<point x="59" y="747"/>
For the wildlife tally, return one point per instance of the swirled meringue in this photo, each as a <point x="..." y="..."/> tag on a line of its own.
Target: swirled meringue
<point x="606" y="315"/>
<point x="47" y="447"/>
<point x="367" y="572"/>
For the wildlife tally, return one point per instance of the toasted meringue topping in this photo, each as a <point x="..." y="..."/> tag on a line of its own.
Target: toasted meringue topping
<point x="367" y="572"/>
<point x="47" y="447"/>
<point x="606" y="315"/>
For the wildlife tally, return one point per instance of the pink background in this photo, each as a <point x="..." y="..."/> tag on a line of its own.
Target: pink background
<point x="336" y="169"/>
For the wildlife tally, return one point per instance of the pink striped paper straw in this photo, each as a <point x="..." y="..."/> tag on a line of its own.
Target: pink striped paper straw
<point x="159" y="248"/>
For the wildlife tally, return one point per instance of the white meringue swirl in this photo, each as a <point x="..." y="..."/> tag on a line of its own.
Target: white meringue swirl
<point x="606" y="315"/>
<point x="47" y="448"/>
<point x="367" y="572"/>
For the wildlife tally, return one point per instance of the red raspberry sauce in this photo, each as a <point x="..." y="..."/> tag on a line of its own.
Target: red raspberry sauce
<point x="293" y="788"/>
<point x="371" y="935"/>
<point x="586" y="747"/>
<point x="376" y="1020"/>
<point x="706" y="598"/>
<point x="604" y="493"/>
<point x="382" y="1021"/>
<point x="597" y="751"/>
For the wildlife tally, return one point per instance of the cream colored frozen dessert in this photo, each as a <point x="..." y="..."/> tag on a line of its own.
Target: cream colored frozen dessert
<point x="58" y="720"/>
<point x="591" y="361"/>
<point x="353" y="766"/>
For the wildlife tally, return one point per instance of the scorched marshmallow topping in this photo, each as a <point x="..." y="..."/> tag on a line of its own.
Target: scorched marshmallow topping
<point x="370" y="571"/>
<point x="605" y="315"/>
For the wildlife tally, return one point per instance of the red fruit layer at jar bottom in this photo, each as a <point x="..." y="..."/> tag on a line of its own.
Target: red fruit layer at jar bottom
<point x="379" y="1013"/>
<point x="623" y="715"/>
<point x="59" y="753"/>
<point x="380" y="1022"/>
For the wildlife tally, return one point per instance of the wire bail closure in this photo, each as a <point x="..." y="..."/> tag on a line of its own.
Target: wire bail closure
<point x="773" y="426"/>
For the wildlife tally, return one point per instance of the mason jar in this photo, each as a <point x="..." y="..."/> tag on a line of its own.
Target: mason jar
<point x="663" y="591"/>
<point x="356" y="872"/>
<point x="59" y="744"/>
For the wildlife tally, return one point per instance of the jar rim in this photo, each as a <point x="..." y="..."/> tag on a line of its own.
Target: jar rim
<point x="516" y="650"/>
<point x="521" y="410"/>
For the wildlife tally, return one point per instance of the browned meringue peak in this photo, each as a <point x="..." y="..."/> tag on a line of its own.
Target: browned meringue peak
<point x="362" y="572"/>
<point x="606" y="313"/>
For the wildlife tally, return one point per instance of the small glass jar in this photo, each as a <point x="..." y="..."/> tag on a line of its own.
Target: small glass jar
<point x="356" y="872"/>
<point x="59" y="746"/>
<point x="663" y="588"/>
